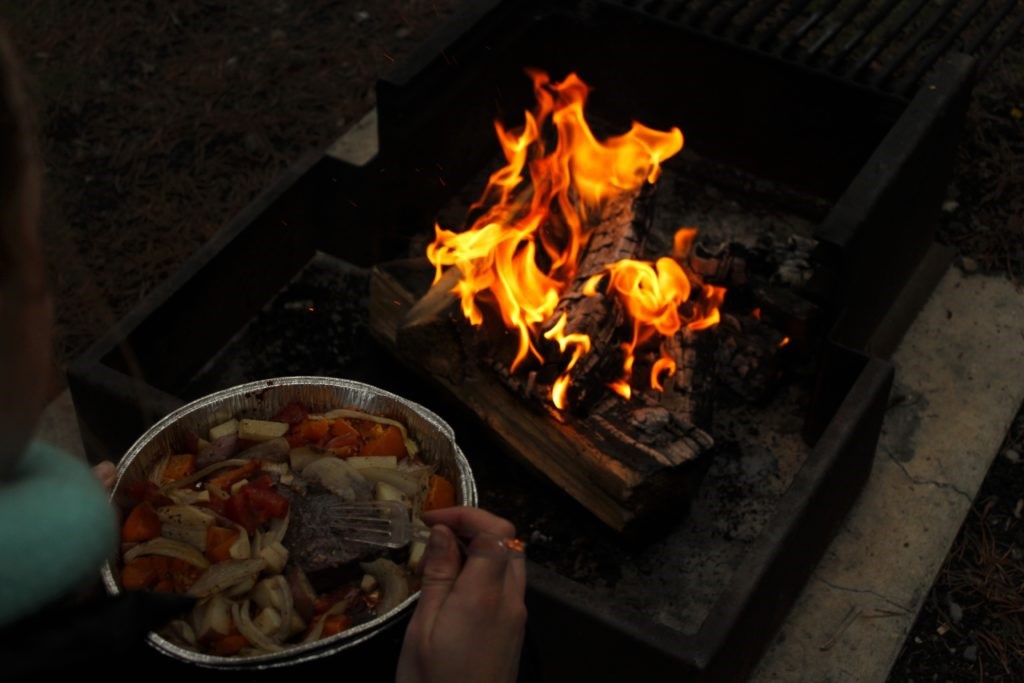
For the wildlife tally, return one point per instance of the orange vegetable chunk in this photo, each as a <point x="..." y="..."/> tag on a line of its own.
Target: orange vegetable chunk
<point x="178" y="467"/>
<point x="390" y="442"/>
<point x="142" y="524"/>
<point x="440" y="493"/>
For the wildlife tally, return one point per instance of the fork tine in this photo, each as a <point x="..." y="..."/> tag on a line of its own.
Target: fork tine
<point x="381" y="523"/>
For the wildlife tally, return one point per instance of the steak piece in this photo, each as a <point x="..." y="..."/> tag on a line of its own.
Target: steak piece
<point x="311" y="543"/>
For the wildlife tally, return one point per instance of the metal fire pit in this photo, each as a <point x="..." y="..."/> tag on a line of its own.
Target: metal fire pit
<point x="875" y="160"/>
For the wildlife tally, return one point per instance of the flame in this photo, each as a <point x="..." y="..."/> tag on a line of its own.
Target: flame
<point x="536" y="217"/>
<point x="581" y="344"/>
<point x="657" y="299"/>
<point x="663" y="364"/>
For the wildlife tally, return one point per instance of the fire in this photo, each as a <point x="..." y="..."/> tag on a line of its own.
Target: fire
<point x="657" y="299"/>
<point x="537" y="215"/>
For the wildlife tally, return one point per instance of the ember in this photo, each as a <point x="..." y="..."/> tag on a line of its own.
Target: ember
<point x="524" y="254"/>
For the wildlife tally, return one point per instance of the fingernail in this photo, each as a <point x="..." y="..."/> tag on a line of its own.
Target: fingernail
<point x="439" y="542"/>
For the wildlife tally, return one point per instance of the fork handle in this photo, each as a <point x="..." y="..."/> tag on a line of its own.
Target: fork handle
<point x="496" y="546"/>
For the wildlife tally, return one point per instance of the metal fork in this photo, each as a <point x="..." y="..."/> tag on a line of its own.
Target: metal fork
<point x="375" y="522"/>
<point x="388" y="524"/>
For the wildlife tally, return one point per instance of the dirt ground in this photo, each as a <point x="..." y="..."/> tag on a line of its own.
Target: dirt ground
<point x="160" y="121"/>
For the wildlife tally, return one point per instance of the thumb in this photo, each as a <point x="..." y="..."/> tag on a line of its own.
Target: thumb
<point x="441" y="566"/>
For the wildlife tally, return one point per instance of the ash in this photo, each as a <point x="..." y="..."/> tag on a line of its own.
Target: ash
<point x="676" y="579"/>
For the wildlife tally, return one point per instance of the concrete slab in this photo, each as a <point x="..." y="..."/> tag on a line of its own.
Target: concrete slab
<point x="359" y="143"/>
<point x="959" y="383"/>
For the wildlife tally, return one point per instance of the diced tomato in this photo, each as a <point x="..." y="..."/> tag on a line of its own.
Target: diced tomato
<point x="336" y="624"/>
<point x="237" y="510"/>
<point x="226" y="479"/>
<point x="390" y="442"/>
<point x="142" y="524"/>
<point x="219" y="541"/>
<point x="228" y="645"/>
<point x="179" y="467"/>
<point x="293" y="414"/>
<point x="253" y="506"/>
<point x="262" y="482"/>
<point x="267" y="503"/>
<point x="147" y="492"/>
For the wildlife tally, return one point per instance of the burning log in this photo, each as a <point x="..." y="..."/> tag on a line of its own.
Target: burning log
<point x="630" y="464"/>
<point x="624" y="225"/>
<point x="689" y="391"/>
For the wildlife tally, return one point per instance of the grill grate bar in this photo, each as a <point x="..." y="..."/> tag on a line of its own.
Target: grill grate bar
<point x="912" y="44"/>
<point x="888" y="45"/>
<point x="923" y="65"/>
<point x="794" y="11"/>
<point x="805" y="28"/>
<point x="836" y="26"/>
<point x="697" y="14"/>
<point x="755" y="18"/>
<point x="989" y="28"/>
<point x="884" y="42"/>
<point x="732" y="10"/>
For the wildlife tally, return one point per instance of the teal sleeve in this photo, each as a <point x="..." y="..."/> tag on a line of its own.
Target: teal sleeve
<point x="57" y="528"/>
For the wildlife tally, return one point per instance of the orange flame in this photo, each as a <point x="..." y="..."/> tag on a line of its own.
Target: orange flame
<point x="655" y="298"/>
<point x="537" y="215"/>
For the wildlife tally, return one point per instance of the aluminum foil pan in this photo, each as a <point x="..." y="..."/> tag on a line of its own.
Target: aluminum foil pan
<point x="261" y="400"/>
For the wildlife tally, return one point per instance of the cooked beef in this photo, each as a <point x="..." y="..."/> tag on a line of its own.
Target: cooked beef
<point x="310" y="542"/>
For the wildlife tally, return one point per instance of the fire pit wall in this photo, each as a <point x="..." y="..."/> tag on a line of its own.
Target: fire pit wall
<point x="878" y="162"/>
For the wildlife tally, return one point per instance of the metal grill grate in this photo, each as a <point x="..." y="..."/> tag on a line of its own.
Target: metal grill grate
<point x="886" y="44"/>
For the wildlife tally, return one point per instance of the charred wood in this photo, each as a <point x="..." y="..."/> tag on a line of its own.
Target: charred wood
<point x="748" y="356"/>
<point x="624" y="225"/>
<point x="434" y="321"/>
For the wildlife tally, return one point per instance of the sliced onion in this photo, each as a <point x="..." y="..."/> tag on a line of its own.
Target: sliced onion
<point x="393" y="584"/>
<point x="156" y="475"/>
<point x="411" y="446"/>
<point x="340" y="478"/>
<point x="184" y="630"/>
<point x="275" y="592"/>
<point x="278" y="528"/>
<point x="243" y="621"/>
<point x="168" y="548"/>
<point x="316" y="631"/>
<point x="225" y="574"/>
<point x="206" y="471"/>
<point x="409" y="482"/>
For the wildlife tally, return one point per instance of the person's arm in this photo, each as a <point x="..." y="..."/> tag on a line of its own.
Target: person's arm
<point x="469" y="623"/>
<point x="56" y="526"/>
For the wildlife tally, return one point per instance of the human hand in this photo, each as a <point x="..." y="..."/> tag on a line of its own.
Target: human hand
<point x="106" y="473"/>
<point x="469" y="623"/>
